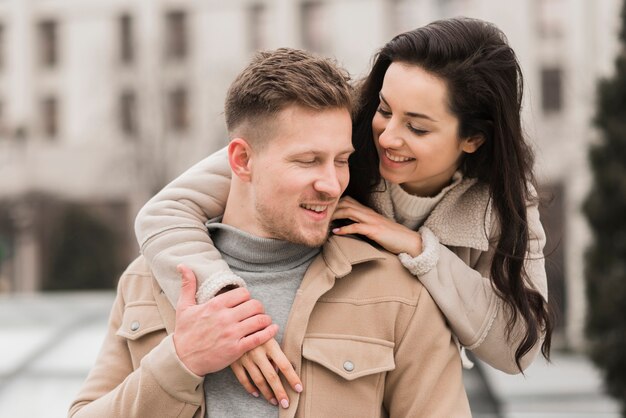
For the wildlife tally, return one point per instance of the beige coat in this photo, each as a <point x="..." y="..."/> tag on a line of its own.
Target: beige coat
<point x="356" y="304"/>
<point x="170" y="229"/>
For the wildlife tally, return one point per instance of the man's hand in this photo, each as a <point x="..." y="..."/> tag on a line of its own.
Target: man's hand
<point x="262" y="364"/>
<point x="210" y="336"/>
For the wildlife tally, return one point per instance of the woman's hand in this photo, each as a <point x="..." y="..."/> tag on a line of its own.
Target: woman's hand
<point x="262" y="365"/>
<point x="390" y="235"/>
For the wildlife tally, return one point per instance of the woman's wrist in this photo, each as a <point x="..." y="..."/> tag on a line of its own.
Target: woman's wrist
<point x="428" y="257"/>
<point x="416" y="248"/>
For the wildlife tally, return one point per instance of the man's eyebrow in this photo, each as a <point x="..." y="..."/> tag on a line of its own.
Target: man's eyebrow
<point x="322" y="152"/>
<point x="409" y="114"/>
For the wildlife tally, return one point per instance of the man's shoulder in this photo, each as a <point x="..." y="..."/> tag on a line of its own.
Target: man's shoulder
<point x="371" y="266"/>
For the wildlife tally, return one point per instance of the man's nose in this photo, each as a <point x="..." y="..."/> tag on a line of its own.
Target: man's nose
<point x="328" y="182"/>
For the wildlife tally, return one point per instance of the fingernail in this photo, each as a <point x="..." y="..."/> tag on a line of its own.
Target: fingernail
<point x="284" y="403"/>
<point x="255" y="394"/>
<point x="273" y="401"/>
<point x="298" y="388"/>
<point x="335" y="230"/>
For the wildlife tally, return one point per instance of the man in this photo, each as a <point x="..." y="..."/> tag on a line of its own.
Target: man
<point x="363" y="334"/>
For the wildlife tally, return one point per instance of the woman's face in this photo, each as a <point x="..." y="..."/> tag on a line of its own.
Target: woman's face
<point x="415" y="133"/>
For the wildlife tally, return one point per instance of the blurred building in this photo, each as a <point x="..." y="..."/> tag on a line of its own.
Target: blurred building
<point x="104" y="101"/>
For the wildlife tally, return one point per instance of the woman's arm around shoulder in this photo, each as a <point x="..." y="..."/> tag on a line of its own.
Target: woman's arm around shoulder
<point x="171" y="229"/>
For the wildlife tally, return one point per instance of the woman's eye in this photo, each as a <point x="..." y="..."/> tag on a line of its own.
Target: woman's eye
<point x="383" y="112"/>
<point x="341" y="162"/>
<point x="416" y="131"/>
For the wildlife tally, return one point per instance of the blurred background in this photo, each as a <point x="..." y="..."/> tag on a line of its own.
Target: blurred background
<point x="103" y="102"/>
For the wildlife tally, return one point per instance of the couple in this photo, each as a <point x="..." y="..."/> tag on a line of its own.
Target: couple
<point x="435" y="148"/>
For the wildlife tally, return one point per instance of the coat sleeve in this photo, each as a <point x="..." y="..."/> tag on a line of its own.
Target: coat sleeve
<point x="475" y="313"/>
<point x="160" y="386"/>
<point x="171" y="230"/>
<point x="427" y="380"/>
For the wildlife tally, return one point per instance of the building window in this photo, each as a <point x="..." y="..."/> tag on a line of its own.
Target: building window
<point x="128" y="113"/>
<point x="176" y="35"/>
<point x="48" y="47"/>
<point x="551" y="19"/>
<point x="50" y="116"/>
<point x="258" y="24"/>
<point x="551" y="89"/>
<point x="178" y="109"/>
<point x="313" y="32"/>
<point x="127" y="50"/>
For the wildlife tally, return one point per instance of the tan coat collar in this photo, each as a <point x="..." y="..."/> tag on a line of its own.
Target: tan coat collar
<point x="341" y="253"/>
<point x="461" y="219"/>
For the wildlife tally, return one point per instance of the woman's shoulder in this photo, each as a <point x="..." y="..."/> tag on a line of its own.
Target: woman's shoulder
<point x="463" y="217"/>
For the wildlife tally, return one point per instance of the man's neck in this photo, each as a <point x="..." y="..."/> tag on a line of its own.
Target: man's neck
<point x="245" y="251"/>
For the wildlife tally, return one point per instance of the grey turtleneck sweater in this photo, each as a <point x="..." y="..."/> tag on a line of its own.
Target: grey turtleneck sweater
<point x="273" y="271"/>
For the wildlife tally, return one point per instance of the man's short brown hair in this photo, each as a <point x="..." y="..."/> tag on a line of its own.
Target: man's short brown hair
<point x="285" y="77"/>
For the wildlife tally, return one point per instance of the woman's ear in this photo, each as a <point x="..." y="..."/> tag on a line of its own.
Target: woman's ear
<point x="239" y="158"/>
<point x="472" y="143"/>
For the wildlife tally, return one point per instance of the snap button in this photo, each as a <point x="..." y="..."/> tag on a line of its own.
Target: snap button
<point x="134" y="326"/>
<point x="348" y="366"/>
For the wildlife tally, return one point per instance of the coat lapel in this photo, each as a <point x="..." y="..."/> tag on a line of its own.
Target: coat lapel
<point x="461" y="219"/>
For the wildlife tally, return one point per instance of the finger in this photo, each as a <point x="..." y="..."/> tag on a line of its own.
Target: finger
<point x="259" y="380"/>
<point x="255" y="339"/>
<point x="286" y="368"/>
<point x="188" y="287"/>
<point x="232" y="298"/>
<point x="270" y="376"/>
<point x="253" y="324"/>
<point x="355" y="214"/>
<point x="247" y="309"/>
<point x="359" y="229"/>
<point x="242" y="377"/>
<point x="344" y="214"/>
<point x="350" y="202"/>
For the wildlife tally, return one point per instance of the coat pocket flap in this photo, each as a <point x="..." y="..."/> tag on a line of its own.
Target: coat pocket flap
<point x="349" y="356"/>
<point x="140" y="318"/>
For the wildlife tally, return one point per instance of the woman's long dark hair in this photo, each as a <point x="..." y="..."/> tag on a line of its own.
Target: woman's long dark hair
<point x="485" y="85"/>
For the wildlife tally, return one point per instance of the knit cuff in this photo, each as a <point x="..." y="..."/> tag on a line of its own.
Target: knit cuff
<point x="216" y="282"/>
<point x="424" y="262"/>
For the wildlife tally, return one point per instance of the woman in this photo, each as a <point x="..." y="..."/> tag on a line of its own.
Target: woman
<point x="441" y="176"/>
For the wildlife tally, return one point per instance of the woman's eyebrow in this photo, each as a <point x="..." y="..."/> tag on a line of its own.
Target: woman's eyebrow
<point x="409" y="114"/>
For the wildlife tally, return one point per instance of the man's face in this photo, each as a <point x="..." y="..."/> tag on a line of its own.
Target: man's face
<point x="299" y="175"/>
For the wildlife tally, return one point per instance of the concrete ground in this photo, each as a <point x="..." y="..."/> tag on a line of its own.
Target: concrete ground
<point x="49" y="342"/>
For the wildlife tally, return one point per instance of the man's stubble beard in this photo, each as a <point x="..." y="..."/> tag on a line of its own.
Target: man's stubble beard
<point x="283" y="229"/>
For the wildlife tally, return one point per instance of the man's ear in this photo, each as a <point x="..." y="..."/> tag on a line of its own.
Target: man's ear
<point x="472" y="143"/>
<point x="239" y="158"/>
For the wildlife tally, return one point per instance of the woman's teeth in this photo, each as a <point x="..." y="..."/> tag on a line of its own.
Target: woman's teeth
<point x="397" y="158"/>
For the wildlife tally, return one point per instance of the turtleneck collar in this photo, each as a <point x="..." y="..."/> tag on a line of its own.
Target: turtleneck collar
<point x="245" y="251"/>
<point x="411" y="210"/>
